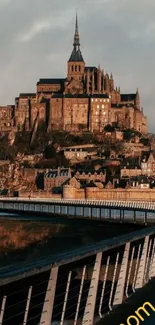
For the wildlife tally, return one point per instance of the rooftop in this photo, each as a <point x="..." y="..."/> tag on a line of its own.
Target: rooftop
<point x="128" y="97"/>
<point x="51" y="81"/>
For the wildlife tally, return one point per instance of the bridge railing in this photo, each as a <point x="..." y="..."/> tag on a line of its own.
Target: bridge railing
<point x="117" y="211"/>
<point x="81" y="285"/>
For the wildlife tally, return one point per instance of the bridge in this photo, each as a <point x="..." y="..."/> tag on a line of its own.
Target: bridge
<point x="112" y="211"/>
<point x="80" y="285"/>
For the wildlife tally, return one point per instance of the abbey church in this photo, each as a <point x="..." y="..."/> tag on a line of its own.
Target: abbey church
<point x="86" y="100"/>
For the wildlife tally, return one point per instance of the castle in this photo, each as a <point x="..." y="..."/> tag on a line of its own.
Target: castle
<point x="86" y="100"/>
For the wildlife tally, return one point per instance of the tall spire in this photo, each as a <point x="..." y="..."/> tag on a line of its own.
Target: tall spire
<point x="76" y="55"/>
<point x="76" y="43"/>
<point x="76" y="23"/>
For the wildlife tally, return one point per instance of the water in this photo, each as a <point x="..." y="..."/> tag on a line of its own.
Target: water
<point x="29" y="237"/>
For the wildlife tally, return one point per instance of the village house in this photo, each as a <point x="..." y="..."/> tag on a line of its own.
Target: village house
<point x="91" y="175"/>
<point x="148" y="164"/>
<point x="56" y="177"/>
<point x="80" y="152"/>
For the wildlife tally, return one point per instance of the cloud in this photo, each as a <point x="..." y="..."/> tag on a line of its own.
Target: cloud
<point x="37" y="28"/>
<point x="36" y="39"/>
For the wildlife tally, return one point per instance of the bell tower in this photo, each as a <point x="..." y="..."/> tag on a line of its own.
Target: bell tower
<point x="76" y="64"/>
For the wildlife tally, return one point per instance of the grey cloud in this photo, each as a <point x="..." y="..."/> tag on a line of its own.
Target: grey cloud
<point x="36" y="40"/>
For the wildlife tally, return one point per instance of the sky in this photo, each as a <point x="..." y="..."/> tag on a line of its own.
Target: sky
<point x="36" y="39"/>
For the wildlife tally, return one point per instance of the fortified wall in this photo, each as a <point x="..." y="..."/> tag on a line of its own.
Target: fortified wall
<point x="93" y="193"/>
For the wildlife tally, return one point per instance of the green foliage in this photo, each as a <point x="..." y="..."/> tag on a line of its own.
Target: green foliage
<point x="145" y="141"/>
<point x="109" y="128"/>
<point x="50" y="152"/>
<point x="130" y="133"/>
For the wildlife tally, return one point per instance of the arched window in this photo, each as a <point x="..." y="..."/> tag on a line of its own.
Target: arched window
<point x="76" y="68"/>
<point x="79" y="68"/>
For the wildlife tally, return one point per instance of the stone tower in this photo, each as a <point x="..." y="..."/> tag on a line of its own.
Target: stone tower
<point x="76" y="64"/>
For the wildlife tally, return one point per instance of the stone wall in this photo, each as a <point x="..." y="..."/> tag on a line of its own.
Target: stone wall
<point x="120" y="194"/>
<point x="70" y="192"/>
<point x="93" y="193"/>
<point x="39" y="194"/>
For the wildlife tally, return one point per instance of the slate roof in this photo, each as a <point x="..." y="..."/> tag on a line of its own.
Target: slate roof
<point x="90" y="69"/>
<point x="140" y="179"/>
<point x="24" y="95"/>
<point x="51" y="81"/>
<point x="54" y="173"/>
<point x="76" y="56"/>
<point x="91" y="171"/>
<point x="121" y="105"/>
<point x="130" y="163"/>
<point x="60" y="95"/>
<point x="127" y="97"/>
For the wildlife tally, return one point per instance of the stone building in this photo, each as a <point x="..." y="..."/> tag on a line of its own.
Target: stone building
<point x="56" y="177"/>
<point x="80" y="152"/>
<point x="148" y="164"/>
<point x="85" y="100"/>
<point x="6" y="118"/>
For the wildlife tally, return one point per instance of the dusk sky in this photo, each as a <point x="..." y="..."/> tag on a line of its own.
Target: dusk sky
<point x="36" y="39"/>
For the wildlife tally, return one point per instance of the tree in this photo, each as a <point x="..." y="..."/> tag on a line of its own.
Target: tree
<point x="109" y="128"/>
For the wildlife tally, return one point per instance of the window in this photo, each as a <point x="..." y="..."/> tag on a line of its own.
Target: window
<point x="100" y="100"/>
<point x="103" y="113"/>
<point x="79" y="68"/>
<point x="92" y="100"/>
<point x="98" y="106"/>
<point x="96" y="100"/>
<point x="72" y="68"/>
<point x="76" y="68"/>
<point x="102" y="106"/>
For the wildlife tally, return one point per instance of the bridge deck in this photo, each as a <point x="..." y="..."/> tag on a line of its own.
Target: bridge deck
<point x="117" y="211"/>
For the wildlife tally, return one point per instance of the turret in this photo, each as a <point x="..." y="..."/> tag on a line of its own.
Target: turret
<point x="137" y="99"/>
<point x="99" y="76"/>
<point x="111" y="82"/>
<point x="107" y="82"/>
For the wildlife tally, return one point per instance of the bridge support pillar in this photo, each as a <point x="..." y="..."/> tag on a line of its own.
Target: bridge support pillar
<point x="109" y="214"/>
<point x="92" y="294"/>
<point x="27" y="305"/>
<point x="46" y="315"/>
<point x="2" y="309"/>
<point x="141" y="270"/>
<point x="134" y="216"/>
<point x="121" y="215"/>
<point x="145" y="217"/>
<point x="119" y="294"/>
<point x="81" y="211"/>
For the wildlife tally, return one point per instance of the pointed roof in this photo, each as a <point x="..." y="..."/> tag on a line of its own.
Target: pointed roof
<point x="137" y="92"/>
<point x="76" y="55"/>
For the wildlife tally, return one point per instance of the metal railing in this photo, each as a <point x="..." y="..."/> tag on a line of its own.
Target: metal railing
<point x="79" y="286"/>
